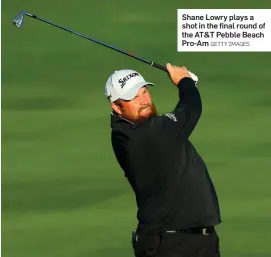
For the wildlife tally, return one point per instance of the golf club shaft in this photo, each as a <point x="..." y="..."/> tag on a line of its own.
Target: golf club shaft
<point x="156" y="65"/>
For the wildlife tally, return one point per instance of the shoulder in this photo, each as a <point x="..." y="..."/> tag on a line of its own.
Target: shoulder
<point x="144" y="129"/>
<point x="159" y="120"/>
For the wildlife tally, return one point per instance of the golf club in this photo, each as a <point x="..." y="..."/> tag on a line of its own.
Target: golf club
<point x="18" y="21"/>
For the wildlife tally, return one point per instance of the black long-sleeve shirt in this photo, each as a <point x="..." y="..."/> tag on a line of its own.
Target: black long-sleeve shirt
<point x="171" y="182"/>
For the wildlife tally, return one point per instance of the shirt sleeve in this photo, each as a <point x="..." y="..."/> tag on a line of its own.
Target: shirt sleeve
<point x="183" y="119"/>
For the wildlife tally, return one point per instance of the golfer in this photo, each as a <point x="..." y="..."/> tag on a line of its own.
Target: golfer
<point x="177" y="203"/>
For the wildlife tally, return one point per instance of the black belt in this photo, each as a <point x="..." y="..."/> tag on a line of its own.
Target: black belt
<point x="205" y="231"/>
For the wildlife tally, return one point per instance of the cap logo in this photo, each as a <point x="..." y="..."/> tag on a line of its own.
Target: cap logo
<point x="123" y="80"/>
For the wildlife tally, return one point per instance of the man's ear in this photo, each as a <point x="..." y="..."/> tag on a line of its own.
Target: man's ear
<point x="116" y="108"/>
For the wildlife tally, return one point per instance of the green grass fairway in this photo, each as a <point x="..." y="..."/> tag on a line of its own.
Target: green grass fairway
<point x="63" y="193"/>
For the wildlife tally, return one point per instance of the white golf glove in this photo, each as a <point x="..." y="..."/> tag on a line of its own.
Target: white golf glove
<point x="194" y="77"/>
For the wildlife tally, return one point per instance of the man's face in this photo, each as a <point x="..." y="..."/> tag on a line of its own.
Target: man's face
<point x="137" y="109"/>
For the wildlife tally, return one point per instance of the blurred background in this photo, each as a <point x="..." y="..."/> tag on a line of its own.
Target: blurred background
<point x="63" y="193"/>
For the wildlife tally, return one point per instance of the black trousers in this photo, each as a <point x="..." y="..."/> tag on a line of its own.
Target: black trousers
<point x="176" y="245"/>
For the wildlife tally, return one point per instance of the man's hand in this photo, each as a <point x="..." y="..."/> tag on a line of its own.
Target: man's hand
<point x="177" y="73"/>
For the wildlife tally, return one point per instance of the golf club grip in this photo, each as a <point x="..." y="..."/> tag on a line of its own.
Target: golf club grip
<point x="159" y="66"/>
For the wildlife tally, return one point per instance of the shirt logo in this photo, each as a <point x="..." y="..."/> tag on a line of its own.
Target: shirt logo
<point x="123" y="80"/>
<point x="171" y="116"/>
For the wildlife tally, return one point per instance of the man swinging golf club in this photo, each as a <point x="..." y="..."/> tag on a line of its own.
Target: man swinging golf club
<point x="177" y="204"/>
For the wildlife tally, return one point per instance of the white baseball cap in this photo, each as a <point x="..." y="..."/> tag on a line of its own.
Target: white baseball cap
<point x="124" y="84"/>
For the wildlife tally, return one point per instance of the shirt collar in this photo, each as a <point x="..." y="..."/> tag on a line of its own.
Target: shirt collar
<point x="115" y="119"/>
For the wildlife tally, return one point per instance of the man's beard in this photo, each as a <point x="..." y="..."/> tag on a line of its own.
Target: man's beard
<point x="139" y="117"/>
<point x="152" y="107"/>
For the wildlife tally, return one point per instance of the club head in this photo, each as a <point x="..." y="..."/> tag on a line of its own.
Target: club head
<point x="18" y="20"/>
